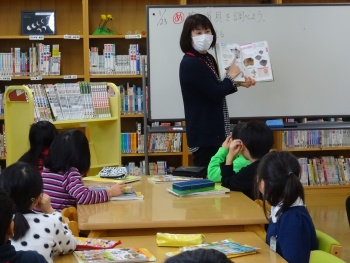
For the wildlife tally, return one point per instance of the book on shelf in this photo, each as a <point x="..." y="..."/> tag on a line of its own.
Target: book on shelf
<point x="131" y="254"/>
<point x="253" y="59"/>
<point x="84" y="243"/>
<point x="168" y="178"/>
<point x="218" y="189"/>
<point x="127" y="179"/>
<point x="229" y="247"/>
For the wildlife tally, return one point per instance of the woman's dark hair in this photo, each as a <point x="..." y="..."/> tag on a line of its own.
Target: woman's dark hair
<point x="7" y="209"/>
<point x="191" y="23"/>
<point x="23" y="183"/>
<point x="199" y="256"/>
<point x="69" y="149"/>
<point x="41" y="134"/>
<point x="280" y="172"/>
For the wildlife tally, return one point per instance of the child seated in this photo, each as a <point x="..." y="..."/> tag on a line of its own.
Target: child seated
<point x="239" y="162"/>
<point x="41" y="134"/>
<point x="254" y="140"/>
<point x="67" y="162"/>
<point x="44" y="232"/>
<point x="291" y="232"/>
<point x="199" y="256"/>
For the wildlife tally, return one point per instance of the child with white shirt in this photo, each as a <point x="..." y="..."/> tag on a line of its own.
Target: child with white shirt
<point x="43" y="232"/>
<point x="291" y="232"/>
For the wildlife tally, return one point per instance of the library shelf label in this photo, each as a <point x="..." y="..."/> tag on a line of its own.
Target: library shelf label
<point x="36" y="37"/>
<point x="76" y="37"/>
<point x="70" y="77"/>
<point x="36" y="78"/>
<point x="134" y="36"/>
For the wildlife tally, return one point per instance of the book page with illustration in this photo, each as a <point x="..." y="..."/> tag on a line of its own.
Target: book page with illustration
<point x="253" y="59"/>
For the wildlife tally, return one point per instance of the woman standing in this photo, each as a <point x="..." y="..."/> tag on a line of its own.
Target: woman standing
<point x="203" y="92"/>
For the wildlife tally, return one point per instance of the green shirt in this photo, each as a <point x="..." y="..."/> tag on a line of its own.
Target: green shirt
<point x="214" y="172"/>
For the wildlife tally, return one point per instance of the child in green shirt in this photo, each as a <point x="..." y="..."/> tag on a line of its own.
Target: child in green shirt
<point x="214" y="172"/>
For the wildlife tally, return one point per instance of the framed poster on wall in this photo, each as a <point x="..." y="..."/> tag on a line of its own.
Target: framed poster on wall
<point x="38" y="22"/>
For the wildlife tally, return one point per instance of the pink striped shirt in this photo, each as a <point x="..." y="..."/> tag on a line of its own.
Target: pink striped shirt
<point x="68" y="189"/>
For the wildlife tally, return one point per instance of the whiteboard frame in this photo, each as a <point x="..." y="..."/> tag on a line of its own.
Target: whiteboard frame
<point x="282" y="109"/>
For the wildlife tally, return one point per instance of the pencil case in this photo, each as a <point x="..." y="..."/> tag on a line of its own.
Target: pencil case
<point x="191" y="171"/>
<point x="193" y="186"/>
<point x="178" y="240"/>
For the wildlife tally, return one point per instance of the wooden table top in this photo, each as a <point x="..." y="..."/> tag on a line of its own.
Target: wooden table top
<point x="160" y="209"/>
<point x="149" y="242"/>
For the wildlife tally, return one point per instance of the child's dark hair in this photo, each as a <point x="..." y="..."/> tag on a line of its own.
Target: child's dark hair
<point x="257" y="137"/>
<point x="191" y="23"/>
<point x="23" y="183"/>
<point x="280" y="172"/>
<point x="6" y="212"/>
<point x="69" y="149"/>
<point x="199" y="256"/>
<point x="236" y="129"/>
<point x="41" y="134"/>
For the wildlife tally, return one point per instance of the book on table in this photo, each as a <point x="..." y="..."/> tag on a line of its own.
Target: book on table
<point x="128" y="196"/>
<point x="229" y="247"/>
<point x="168" y="178"/>
<point x="84" y="243"/>
<point x="129" y="193"/>
<point x="253" y="60"/>
<point x="218" y="189"/>
<point x="125" y="180"/>
<point x="131" y="254"/>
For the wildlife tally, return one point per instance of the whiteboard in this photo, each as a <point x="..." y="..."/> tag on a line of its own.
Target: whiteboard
<point x="309" y="50"/>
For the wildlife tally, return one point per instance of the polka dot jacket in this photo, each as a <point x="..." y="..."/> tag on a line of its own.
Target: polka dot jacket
<point x="47" y="235"/>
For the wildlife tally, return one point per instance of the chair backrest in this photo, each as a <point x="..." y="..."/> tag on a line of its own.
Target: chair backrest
<point x="319" y="256"/>
<point x="328" y="244"/>
<point x="347" y="206"/>
<point x="71" y="214"/>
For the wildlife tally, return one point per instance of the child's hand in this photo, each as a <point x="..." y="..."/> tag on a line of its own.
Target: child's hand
<point x="115" y="190"/>
<point x="235" y="148"/>
<point x="248" y="82"/>
<point x="226" y="143"/>
<point x="44" y="204"/>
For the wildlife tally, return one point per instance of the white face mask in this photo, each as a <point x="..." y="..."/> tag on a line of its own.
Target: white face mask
<point x="202" y="42"/>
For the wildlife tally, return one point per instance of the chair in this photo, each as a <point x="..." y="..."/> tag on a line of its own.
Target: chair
<point x="328" y="244"/>
<point x="319" y="256"/>
<point x="71" y="214"/>
<point x="347" y="205"/>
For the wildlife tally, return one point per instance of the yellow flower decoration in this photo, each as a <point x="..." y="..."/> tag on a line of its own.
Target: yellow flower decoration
<point x="105" y="19"/>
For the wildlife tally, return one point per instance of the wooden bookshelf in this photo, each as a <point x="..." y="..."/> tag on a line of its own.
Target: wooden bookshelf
<point x="81" y="18"/>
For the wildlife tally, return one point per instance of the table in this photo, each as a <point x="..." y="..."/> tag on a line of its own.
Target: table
<point x="264" y="256"/>
<point x="161" y="211"/>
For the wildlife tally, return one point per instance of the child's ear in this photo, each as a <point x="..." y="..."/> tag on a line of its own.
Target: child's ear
<point x="10" y="231"/>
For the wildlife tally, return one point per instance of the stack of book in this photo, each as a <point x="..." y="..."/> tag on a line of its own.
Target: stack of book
<point x="197" y="187"/>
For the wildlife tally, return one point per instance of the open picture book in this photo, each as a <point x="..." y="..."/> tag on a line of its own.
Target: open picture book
<point x="132" y="254"/>
<point x="253" y="60"/>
